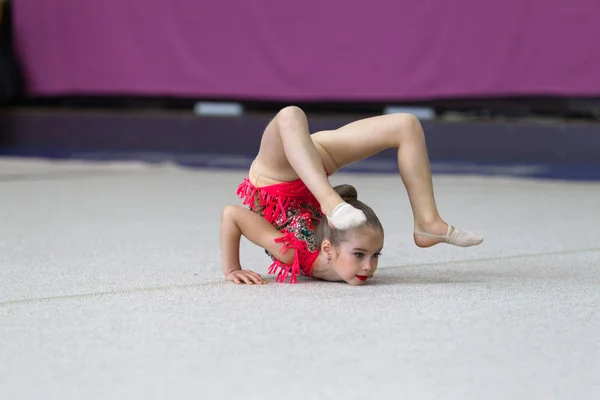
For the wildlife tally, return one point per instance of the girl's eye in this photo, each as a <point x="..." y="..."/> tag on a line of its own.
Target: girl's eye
<point x="359" y="255"/>
<point x="377" y="255"/>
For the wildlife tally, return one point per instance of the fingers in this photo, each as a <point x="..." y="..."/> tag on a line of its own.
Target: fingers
<point x="257" y="278"/>
<point x="253" y="278"/>
<point x="247" y="277"/>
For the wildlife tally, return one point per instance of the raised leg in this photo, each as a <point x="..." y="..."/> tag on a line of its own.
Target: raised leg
<point x="288" y="153"/>
<point x="364" y="138"/>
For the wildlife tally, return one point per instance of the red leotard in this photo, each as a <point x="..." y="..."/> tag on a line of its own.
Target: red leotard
<point x="293" y="210"/>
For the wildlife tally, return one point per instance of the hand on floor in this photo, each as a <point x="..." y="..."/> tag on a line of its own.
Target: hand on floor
<point x="245" y="276"/>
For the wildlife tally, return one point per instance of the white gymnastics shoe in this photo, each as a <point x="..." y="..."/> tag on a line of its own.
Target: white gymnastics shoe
<point x="345" y="216"/>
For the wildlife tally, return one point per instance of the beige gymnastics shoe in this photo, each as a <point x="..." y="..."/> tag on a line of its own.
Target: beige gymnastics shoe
<point x="461" y="238"/>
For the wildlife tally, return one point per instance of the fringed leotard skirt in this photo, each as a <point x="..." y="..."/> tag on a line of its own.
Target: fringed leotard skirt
<point x="293" y="210"/>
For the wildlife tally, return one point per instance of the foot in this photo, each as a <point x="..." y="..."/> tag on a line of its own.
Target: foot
<point x="344" y="216"/>
<point x="454" y="236"/>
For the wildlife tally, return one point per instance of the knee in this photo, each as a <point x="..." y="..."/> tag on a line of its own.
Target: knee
<point x="290" y="113"/>
<point x="408" y="121"/>
<point x="228" y="213"/>
<point x="408" y="125"/>
<point x="291" y="110"/>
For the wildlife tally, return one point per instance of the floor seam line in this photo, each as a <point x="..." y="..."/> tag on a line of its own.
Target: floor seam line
<point x="219" y="283"/>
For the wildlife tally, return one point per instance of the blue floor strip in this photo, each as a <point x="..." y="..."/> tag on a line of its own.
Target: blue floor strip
<point x="571" y="172"/>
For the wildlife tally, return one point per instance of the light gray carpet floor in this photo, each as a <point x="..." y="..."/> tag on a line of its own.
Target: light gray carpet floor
<point x="111" y="288"/>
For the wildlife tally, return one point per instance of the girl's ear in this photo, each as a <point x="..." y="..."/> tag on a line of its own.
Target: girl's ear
<point x="327" y="248"/>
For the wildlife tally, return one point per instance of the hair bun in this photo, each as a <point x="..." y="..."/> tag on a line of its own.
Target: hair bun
<point x="348" y="193"/>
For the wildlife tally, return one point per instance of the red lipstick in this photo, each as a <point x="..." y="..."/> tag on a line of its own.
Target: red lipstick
<point x="362" y="277"/>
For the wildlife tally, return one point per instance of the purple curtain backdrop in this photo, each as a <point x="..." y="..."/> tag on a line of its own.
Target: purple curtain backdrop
<point x="310" y="49"/>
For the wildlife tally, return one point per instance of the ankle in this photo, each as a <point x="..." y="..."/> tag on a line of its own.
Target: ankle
<point x="434" y="225"/>
<point x="423" y="231"/>
<point x="330" y="202"/>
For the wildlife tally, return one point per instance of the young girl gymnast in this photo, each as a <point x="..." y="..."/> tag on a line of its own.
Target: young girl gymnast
<point x="310" y="228"/>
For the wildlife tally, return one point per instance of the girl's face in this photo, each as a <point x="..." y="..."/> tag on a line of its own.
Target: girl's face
<point x="355" y="260"/>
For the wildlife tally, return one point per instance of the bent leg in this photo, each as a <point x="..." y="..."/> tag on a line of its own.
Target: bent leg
<point x="288" y="153"/>
<point x="367" y="137"/>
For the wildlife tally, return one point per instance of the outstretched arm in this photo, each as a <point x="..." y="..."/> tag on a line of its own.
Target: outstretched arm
<point x="237" y="221"/>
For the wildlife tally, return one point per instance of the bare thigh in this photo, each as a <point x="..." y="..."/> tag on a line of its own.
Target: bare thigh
<point x="364" y="138"/>
<point x="271" y="165"/>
